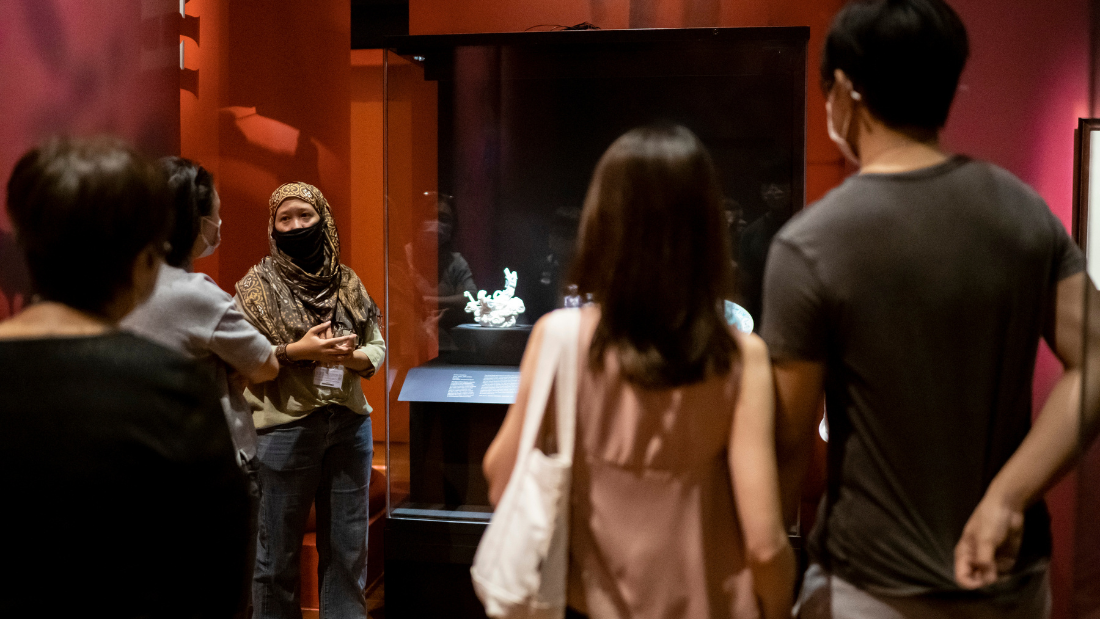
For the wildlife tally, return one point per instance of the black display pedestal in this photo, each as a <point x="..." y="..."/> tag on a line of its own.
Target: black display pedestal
<point x="489" y="345"/>
<point x="431" y="535"/>
<point x="428" y="569"/>
<point x="447" y="443"/>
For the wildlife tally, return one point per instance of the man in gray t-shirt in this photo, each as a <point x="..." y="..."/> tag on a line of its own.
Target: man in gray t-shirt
<point x="914" y="297"/>
<point x="923" y="295"/>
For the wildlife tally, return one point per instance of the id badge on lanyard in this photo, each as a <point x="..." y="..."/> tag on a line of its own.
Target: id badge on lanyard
<point x="326" y="376"/>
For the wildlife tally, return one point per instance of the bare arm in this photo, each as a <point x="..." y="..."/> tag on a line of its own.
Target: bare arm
<point x="500" y="458"/>
<point x="755" y="477"/>
<point x="799" y="388"/>
<point x="991" y="537"/>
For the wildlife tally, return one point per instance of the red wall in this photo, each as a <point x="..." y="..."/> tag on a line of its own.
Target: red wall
<point x="74" y="67"/>
<point x="1026" y="85"/>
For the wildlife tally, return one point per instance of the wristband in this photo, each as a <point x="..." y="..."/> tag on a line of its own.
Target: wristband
<point x="280" y="354"/>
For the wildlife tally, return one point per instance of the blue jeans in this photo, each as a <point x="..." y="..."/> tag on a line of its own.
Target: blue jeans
<point x="325" y="456"/>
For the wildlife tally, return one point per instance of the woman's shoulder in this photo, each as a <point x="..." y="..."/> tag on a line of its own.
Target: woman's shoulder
<point x="203" y="288"/>
<point x="121" y="383"/>
<point x="123" y="364"/>
<point x="751" y="346"/>
<point x="164" y="379"/>
<point x="153" y="362"/>
<point x="556" y="318"/>
<point x="347" y="274"/>
<point x="181" y="300"/>
<point x="146" y="381"/>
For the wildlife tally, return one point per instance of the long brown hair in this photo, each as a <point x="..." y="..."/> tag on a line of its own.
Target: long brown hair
<point x="654" y="253"/>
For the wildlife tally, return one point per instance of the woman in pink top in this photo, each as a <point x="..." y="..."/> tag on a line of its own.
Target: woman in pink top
<point x="675" y="508"/>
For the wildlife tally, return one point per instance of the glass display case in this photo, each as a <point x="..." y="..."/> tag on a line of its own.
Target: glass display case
<point x="490" y="143"/>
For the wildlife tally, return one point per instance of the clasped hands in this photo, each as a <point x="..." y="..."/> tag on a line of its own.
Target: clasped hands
<point x="319" y="344"/>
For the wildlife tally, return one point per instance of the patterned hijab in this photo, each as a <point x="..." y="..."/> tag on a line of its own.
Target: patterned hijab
<point x="284" y="301"/>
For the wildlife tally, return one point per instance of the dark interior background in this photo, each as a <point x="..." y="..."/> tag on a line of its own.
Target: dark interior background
<point x="523" y="119"/>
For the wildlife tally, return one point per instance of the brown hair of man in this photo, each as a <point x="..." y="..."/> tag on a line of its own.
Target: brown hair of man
<point x="654" y="253"/>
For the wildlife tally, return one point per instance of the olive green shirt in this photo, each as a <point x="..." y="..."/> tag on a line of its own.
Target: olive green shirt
<point x="293" y="394"/>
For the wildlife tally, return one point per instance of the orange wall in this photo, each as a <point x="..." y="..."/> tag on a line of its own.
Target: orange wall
<point x="411" y="146"/>
<point x="270" y="109"/>
<point x="367" y="233"/>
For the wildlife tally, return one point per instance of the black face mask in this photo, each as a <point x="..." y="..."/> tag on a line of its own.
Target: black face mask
<point x="305" y="246"/>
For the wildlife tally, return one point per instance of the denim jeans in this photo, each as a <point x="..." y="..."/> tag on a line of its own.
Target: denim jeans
<point x="325" y="456"/>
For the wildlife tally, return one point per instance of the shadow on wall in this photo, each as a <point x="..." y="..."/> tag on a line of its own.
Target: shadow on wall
<point x="80" y="70"/>
<point x="258" y="155"/>
<point x="283" y="115"/>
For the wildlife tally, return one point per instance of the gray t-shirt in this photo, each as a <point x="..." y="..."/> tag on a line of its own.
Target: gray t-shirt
<point x="925" y="294"/>
<point x="189" y="313"/>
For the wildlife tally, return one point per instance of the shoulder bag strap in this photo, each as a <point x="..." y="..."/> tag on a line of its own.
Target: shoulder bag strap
<point x="567" y="324"/>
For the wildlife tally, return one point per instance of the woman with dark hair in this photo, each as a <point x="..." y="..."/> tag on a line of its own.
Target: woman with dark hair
<point x="675" y="506"/>
<point x="313" y="421"/>
<point x="116" y="458"/>
<point x="190" y="314"/>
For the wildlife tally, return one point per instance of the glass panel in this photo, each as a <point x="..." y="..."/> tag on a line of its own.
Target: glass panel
<point x="410" y="176"/>
<point x="491" y="143"/>
<point x="1086" y="572"/>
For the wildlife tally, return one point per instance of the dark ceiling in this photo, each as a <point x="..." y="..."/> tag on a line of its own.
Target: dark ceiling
<point x="371" y="20"/>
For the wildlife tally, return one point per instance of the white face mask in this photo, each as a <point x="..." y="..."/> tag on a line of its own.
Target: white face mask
<point x="840" y="137"/>
<point x="210" y="245"/>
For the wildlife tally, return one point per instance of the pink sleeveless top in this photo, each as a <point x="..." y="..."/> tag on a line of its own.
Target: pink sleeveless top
<point x="654" y="530"/>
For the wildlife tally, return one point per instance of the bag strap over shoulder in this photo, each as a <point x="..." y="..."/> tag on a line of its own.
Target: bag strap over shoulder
<point x="567" y="324"/>
<point x="555" y="369"/>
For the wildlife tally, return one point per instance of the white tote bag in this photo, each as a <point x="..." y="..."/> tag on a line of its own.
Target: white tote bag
<point x="520" y="566"/>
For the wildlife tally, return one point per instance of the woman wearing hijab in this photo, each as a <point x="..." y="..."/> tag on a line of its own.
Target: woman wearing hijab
<point x="313" y="421"/>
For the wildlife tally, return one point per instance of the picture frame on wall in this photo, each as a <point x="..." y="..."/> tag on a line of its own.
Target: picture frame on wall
<point x="1086" y="192"/>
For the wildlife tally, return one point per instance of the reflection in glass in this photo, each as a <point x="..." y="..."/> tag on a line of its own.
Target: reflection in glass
<point x="435" y="241"/>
